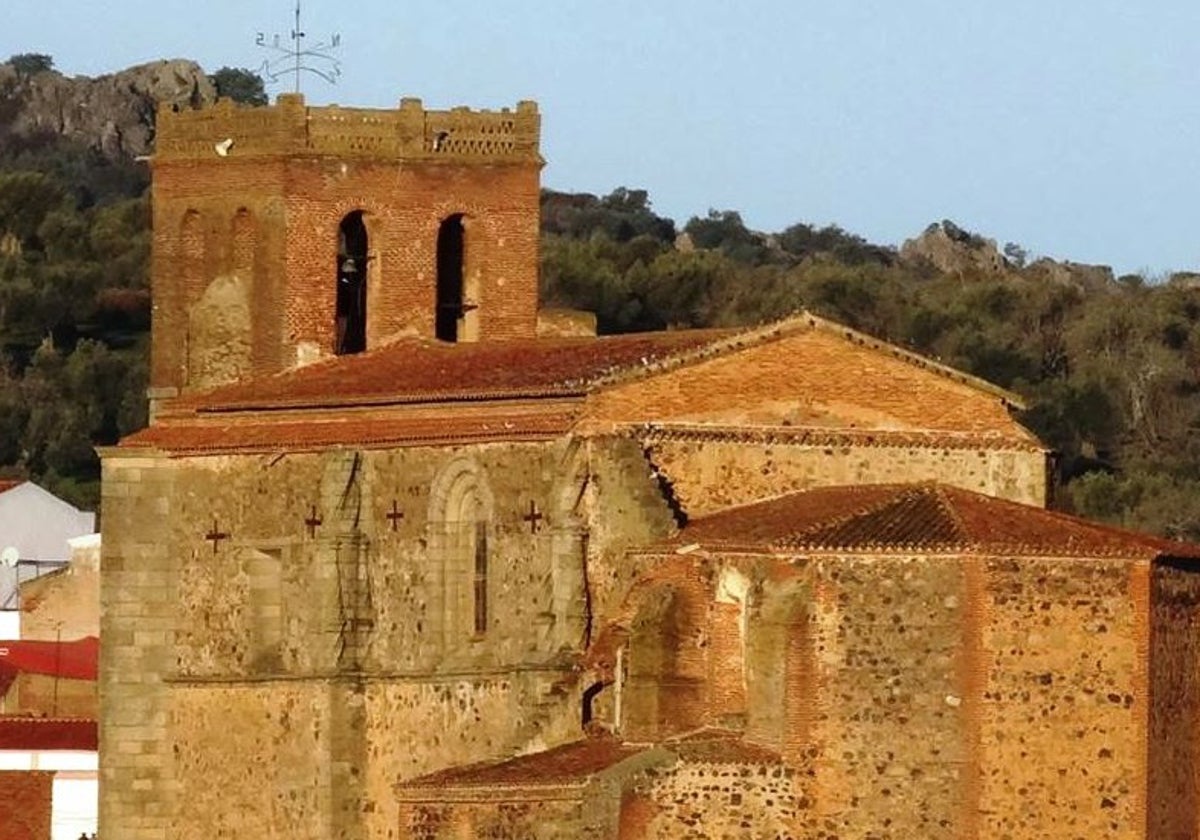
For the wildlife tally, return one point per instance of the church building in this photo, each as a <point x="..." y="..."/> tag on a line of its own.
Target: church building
<point x="401" y="557"/>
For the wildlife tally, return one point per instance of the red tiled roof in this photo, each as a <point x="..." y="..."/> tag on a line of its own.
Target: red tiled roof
<point x="29" y="733"/>
<point x="431" y="371"/>
<point x="265" y="434"/>
<point x="565" y="765"/>
<point x="9" y="484"/>
<point x="918" y="517"/>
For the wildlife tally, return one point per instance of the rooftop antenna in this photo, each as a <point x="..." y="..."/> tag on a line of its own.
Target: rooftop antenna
<point x="296" y="59"/>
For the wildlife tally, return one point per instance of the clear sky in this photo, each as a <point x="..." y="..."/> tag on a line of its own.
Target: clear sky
<point x="1069" y="126"/>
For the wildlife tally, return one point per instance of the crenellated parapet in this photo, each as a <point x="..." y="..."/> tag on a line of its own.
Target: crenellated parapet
<point x="410" y="132"/>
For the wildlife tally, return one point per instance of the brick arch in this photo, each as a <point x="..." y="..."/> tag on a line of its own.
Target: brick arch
<point x="780" y="673"/>
<point x="665" y="679"/>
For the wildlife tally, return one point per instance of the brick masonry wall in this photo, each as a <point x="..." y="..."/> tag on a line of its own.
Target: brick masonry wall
<point x="25" y="804"/>
<point x="813" y="378"/>
<point x="292" y="208"/>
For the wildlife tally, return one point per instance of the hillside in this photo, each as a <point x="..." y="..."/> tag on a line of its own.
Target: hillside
<point x="1111" y="366"/>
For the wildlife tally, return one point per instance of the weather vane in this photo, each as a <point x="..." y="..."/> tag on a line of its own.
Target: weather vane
<point x="317" y="59"/>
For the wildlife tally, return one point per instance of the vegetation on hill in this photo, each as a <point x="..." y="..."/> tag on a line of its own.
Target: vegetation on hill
<point x="1110" y="368"/>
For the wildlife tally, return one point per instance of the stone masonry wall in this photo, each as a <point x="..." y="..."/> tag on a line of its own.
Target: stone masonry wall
<point x="708" y="475"/>
<point x="137" y="622"/>
<point x="700" y="800"/>
<point x="1174" y="763"/>
<point x="25" y="804"/>
<point x="889" y="723"/>
<point x="494" y="819"/>
<point x="321" y="605"/>
<point x="1062" y="724"/>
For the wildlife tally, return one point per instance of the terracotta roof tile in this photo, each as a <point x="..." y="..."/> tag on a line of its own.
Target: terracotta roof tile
<point x="9" y="484"/>
<point x="431" y="371"/>
<point x="260" y="434"/>
<point x="823" y="436"/>
<point x="918" y="517"/>
<point x="29" y="733"/>
<point x="568" y="764"/>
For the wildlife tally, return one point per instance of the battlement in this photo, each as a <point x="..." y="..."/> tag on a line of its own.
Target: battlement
<point x="409" y="132"/>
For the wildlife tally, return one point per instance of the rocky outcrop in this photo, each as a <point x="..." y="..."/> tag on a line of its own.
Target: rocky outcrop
<point x="113" y="113"/>
<point x="1088" y="278"/>
<point x="952" y="250"/>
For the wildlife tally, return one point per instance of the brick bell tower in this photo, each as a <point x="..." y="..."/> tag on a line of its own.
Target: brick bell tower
<point x="287" y="234"/>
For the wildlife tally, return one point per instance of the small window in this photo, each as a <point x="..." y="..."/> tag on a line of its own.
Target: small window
<point x="481" y="578"/>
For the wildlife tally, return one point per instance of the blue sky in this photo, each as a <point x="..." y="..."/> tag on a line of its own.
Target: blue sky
<point x="1070" y="127"/>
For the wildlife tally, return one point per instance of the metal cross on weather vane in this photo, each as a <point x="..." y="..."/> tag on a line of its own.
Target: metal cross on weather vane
<point x="317" y="59"/>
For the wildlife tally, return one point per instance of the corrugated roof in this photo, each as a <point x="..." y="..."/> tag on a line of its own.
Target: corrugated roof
<point x="918" y="517"/>
<point x="30" y="733"/>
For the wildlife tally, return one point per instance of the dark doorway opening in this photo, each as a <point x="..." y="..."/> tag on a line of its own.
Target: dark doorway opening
<point x="449" y="278"/>
<point x="352" y="285"/>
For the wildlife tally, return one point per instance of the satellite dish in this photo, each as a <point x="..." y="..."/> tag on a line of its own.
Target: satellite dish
<point x="223" y="147"/>
<point x="10" y="556"/>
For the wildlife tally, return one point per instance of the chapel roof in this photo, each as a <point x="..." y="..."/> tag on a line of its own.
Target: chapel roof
<point x="926" y="517"/>
<point x="576" y="763"/>
<point x="427" y="371"/>
<point x="562" y="765"/>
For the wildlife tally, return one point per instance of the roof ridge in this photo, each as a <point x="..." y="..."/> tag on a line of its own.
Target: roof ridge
<point x="956" y="521"/>
<point x="889" y="498"/>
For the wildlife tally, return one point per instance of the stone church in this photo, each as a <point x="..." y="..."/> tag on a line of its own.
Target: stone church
<point x="401" y="557"/>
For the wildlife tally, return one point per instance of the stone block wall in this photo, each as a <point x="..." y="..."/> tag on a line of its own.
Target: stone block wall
<point x="1174" y="740"/>
<point x="298" y="629"/>
<point x="26" y="797"/>
<point x="495" y="818"/>
<point x="708" y="475"/>
<point x="712" y="800"/>
<point x="935" y="696"/>
<point x="138" y="620"/>
<point x="1063" y="713"/>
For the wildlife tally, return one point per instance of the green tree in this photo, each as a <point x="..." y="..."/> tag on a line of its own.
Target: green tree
<point x="240" y="85"/>
<point x="29" y="64"/>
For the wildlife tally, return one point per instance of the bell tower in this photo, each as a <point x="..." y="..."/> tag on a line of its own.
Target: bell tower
<point x="286" y="234"/>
